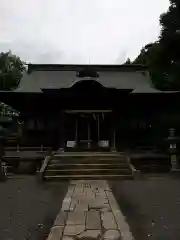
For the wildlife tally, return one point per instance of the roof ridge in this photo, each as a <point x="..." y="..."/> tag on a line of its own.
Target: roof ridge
<point x="76" y="67"/>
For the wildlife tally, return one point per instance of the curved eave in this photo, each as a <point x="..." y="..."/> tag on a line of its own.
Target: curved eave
<point x="154" y="91"/>
<point x="63" y="91"/>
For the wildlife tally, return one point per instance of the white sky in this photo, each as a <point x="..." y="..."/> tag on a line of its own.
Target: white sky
<point x="79" y="31"/>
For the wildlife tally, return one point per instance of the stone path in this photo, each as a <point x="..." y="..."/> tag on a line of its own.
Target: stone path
<point x="90" y="211"/>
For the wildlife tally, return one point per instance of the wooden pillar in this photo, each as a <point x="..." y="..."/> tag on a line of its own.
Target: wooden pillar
<point x="18" y="138"/>
<point x="98" y="128"/>
<point x="89" y="135"/>
<point x="61" y="131"/>
<point x="76" y="132"/>
<point x="20" y="126"/>
<point x="113" y="143"/>
<point x="1" y="157"/>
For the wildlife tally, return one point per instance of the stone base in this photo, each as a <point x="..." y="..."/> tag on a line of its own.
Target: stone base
<point x="61" y="150"/>
<point x="136" y="173"/>
<point x="3" y="177"/>
<point x="113" y="150"/>
<point x="175" y="172"/>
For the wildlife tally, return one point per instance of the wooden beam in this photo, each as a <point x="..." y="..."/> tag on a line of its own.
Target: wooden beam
<point x="88" y="111"/>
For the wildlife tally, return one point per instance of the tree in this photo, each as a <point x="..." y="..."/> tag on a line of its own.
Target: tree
<point x="6" y="110"/>
<point x="128" y="61"/>
<point x="151" y="56"/>
<point x="163" y="56"/>
<point x="11" y="69"/>
<point x="170" y="42"/>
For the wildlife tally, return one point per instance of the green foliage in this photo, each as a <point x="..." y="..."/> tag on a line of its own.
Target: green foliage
<point x="6" y="110"/>
<point x="128" y="61"/>
<point x="11" y="69"/>
<point x="163" y="56"/>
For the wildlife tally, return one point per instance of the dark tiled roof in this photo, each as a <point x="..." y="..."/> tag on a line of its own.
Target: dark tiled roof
<point x="43" y="76"/>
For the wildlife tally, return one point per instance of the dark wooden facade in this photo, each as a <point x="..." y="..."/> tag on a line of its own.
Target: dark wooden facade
<point x="88" y="112"/>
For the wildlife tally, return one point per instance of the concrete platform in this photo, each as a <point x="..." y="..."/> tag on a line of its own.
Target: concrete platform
<point x="90" y="211"/>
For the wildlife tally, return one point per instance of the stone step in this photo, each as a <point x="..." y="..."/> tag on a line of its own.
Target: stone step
<point x="86" y="165"/>
<point x="11" y="140"/>
<point x="90" y="154"/>
<point x="86" y="177"/>
<point x="13" y="136"/>
<point x="81" y="157"/>
<point x="85" y="171"/>
<point x="89" y="160"/>
<point x="13" y="148"/>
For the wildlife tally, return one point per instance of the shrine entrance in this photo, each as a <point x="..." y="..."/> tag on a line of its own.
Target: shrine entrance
<point x="90" y="130"/>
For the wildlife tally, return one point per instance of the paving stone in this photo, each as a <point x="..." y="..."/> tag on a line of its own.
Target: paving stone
<point x="112" y="235"/>
<point x="73" y="205"/>
<point x="81" y="207"/>
<point x="73" y="230"/>
<point x="56" y="233"/>
<point x="76" y="218"/>
<point x="73" y="182"/>
<point x="82" y="204"/>
<point x="107" y="189"/>
<point x="66" y="204"/>
<point x="89" y="234"/>
<point x="98" y="204"/>
<point x="100" y="195"/>
<point x="70" y="192"/>
<point x="60" y="219"/>
<point x="78" y="190"/>
<point x="101" y="185"/>
<point x="78" y="193"/>
<point x="106" y="209"/>
<point x="68" y="238"/>
<point x="99" y="199"/>
<point x="93" y="220"/>
<point x="108" y="220"/>
<point x="79" y="204"/>
<point x="89" y="195"/>
<point x="99" y="192"/>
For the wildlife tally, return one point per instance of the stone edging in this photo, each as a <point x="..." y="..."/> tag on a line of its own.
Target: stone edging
<point x="119" y="217"/>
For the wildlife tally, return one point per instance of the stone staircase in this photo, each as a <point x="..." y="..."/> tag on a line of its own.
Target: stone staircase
<point x="67" y="166"/>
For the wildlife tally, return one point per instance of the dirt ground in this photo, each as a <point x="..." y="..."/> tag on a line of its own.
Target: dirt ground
<point x="151" y="206"/>
<point x="28" y="208"/>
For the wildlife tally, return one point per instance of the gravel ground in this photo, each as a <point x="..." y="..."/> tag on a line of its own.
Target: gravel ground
<point x="151" y="206"/>
<point x="28" y="208"/>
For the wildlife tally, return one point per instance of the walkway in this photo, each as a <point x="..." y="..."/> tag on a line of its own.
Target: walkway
<point x="90" y="211"/>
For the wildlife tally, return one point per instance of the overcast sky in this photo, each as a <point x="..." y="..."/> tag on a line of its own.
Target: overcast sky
<point x="78" y="31"/>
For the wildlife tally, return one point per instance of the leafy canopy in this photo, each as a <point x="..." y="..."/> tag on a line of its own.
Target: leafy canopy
<point x="163" y="56"/>
<point x="11" y="69"/>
